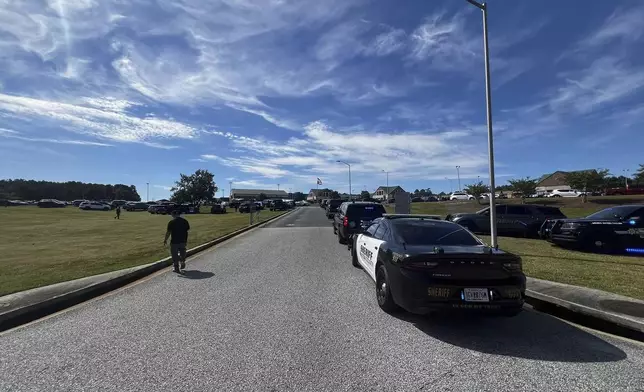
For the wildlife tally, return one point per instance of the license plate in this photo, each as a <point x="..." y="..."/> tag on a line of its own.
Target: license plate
<point x="476" y="295"/>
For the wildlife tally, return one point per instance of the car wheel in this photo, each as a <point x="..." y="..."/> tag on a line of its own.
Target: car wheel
<point x="335" y="231"/>
<point x="471" y="198"/>
<point x="354" y="256"/>
<point x="556" y="195"/>
<point x="341" y="240"/>
<point x="383" y="291"/>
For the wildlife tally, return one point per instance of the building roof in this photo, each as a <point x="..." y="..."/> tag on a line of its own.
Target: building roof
<point x="391" y="188"/>
<point x="318" y="191"/>
<point x="258" y="191"/>
<point x="557" y="178"/>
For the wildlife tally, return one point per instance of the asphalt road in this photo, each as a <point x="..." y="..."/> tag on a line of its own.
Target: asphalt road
<point x="281" y="308"/>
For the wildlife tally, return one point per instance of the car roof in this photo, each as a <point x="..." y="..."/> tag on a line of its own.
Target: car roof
<point x="412" y="216"/>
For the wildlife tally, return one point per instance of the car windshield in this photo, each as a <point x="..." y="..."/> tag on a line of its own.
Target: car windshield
<point x="335" y="203"/>
<point x="425" y="232"/>
<point x="613" y="213"/>
<point x="366" y="211"/>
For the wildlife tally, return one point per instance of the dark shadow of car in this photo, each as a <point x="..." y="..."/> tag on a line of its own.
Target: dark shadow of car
<point x="529" y="335"/>
<point x="217" y="209"/>
<point x="195" y="274"/>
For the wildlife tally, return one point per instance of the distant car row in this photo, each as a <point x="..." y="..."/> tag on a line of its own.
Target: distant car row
<point x="422" y="264"/>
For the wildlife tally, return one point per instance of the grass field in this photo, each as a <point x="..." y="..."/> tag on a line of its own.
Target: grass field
<point x="618" y="274"/>
<point x="41" y="246"/>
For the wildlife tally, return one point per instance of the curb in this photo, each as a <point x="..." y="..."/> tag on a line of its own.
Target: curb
<point x="111" y="281"/>
<point x="584" y="315"/>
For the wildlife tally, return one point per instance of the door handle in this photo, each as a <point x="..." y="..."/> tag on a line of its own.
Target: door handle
<point x="375" y="247"/>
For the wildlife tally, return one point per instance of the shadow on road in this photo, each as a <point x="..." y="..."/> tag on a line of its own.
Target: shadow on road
<point x="529" y="335"/>
<point x="194" y="274"/>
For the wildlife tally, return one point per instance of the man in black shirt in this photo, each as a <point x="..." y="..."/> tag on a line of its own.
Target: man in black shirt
<point x="178" y="229"/>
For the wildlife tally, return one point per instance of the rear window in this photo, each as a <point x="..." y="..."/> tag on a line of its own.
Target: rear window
<point x="335" y="203"/>
<point x="423" y="232"/>
<point x="365" y="211"/>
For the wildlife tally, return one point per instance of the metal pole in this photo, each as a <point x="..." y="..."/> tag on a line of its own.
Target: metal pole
<point x="451" y="189"/>
<point x="148" y="192"/>
<point x="625" y="178"/>
<point x="278" y="187"/>
<point x="350" y="197"/>
<point x="490" y="139"/>
<point x="230" y="190"/>
<point x="458" y="175"/>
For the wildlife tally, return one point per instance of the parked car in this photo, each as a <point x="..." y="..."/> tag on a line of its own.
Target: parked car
<point x="332" y="207"/>
<point x="94" y="205"/>
<point x="116" y="203"/>
<point x="324" y="203"/>
<point x="565" y="193"/>
<point x="423" y="265"/>
<point x="613" y="229"/>
<point x="246" y="207"/>
<point x="352" y="215"/>
<point x="218" y="209"/>
<point x="461" y="196"/>
<point x="77" y="203"/>
<point x="136" y="206"/>
<point x="522" y="219"/>
<point x="631" y="190"/>
<point x="279" y="205"/>
<point x="51" y="203"/>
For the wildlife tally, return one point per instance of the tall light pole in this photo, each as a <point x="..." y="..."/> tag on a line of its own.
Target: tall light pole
<point x="451" y="188"/>
<point x="148" y="191"/>
<point x="350" y="198"/>
<point x="387" y="193"/>
<point x="458" y="175"/>
<point x="490" y="142"/>
<point x="230" y="190"/>
<point x="625" y="171"/>
<point x="278" y="187"/>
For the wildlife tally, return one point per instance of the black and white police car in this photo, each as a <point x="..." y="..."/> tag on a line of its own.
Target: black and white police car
<point x="422" y="264"/>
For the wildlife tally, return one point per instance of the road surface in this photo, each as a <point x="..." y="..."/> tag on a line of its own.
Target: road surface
<point x="281" y="308"/>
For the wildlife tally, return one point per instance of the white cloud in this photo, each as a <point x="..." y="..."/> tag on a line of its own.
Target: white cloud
<point x="624" y="24"/>
<point x="387" y="43"/>
<point x="444" y="42"/>
<point x="164" y="187"/>
<point x="105" y="120"/>
<point x="287" y="124"/>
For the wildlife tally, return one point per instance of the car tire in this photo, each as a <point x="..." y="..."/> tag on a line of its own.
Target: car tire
<point x="335" y="231"/>
<point x="354" y="257"/>
<point x="556" y="196"/>
<point x="341" y="240"/>
<point x="383" y="291"/>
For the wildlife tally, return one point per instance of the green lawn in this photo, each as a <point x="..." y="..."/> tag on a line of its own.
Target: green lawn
<point x="618" y="274"/>
<point x="41" y="246"/>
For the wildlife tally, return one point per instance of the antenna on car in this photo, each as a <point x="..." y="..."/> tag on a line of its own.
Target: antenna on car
<point x="439" y="250"/>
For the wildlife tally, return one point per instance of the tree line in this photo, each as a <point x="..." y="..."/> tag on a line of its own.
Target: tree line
<point x="20" y="189"/>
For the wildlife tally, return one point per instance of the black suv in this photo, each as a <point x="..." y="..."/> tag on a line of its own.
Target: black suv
<point x="136" y="206"/>
<point x="279" y="205"/>
<point x="611" y="230"/>
<point x="352" y="215"/>
<point x="332" y="207"/>
<point x="522" y="219"/>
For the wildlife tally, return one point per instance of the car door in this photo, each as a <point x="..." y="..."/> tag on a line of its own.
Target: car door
<point x="363" y="244"/>
<point x="518" y="217"/>
<point x="501" y="220"/>
<point x="373" y="244"/>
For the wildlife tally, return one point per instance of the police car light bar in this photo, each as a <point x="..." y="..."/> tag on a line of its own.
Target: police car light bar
<point x="394" y="216"/>
<point x="635" y="250"/>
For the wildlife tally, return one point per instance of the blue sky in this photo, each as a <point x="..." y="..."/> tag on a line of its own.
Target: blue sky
<point x="276" y="91"/>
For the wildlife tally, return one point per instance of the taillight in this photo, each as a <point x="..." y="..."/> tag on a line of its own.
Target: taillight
<point x="345" y="222"/>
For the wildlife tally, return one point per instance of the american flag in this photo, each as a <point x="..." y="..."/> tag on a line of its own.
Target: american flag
<point x="319" y="181"/>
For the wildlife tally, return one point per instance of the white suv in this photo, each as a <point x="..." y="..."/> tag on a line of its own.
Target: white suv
<point x="460" y="196"/>
<point x="565" y="193"/>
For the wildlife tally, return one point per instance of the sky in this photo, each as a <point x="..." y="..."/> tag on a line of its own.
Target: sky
<point x="274" y="92"/>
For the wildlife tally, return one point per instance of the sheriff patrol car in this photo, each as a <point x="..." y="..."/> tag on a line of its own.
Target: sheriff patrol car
<point x="421" y="263"/>
<point x="614" y="229"/>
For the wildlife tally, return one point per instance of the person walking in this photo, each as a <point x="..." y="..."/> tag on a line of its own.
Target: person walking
<point x="118" y="212"/>
<point x="177" y="231"/>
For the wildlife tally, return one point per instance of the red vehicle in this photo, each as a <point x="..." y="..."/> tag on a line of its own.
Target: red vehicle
<point x="631" y="190"/>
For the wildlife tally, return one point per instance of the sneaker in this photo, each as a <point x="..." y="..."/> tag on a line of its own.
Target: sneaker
<point x="183" y="265"/>
<point x="177" y="270"/>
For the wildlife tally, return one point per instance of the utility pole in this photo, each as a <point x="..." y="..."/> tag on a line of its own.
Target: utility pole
<point x="230" y="190"/>
<point x="148" y="191"/>
<point x="490" y="139"/>
<point x="387" y="192"/>
<point x="458" y="175"/>
<point x="350" y="198"/>
<point x="625" y="171"/>
<point x="278" y="187"/>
